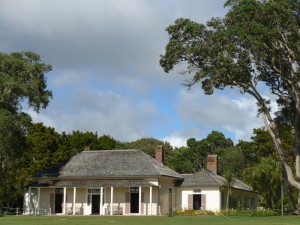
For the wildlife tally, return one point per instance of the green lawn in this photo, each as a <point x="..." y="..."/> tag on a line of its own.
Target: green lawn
<point x="142" y="220"/>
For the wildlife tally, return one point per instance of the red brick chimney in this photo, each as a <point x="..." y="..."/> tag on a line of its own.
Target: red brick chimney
<point x="212" y="163"/>
<point x="159" y="154"/>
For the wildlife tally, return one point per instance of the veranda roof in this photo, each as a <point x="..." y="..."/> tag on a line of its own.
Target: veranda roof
<point x="93" y="183"/>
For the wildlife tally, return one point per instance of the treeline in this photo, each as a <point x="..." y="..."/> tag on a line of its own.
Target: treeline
<point x="252" y="161"/>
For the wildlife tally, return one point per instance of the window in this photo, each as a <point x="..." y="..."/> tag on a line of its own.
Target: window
<point x="134" y="190"/>
<point x="94" y="191"/>
<point x="59" y="190"/>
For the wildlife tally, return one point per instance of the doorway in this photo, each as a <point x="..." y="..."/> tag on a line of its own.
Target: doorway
<point x="134" y="202"/>
<point x="196" y="202"/>
<point x="58" y="202"/>
<point x="95" y="204"/>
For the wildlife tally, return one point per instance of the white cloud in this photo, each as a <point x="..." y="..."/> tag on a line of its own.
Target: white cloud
<point x="176" y="140"/>
<point x="106" y="73"/>
<point x="218" y="111"/>
<point x="105" y="112"/>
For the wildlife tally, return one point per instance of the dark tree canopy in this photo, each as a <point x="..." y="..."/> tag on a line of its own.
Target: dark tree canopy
<point x="22" y="80"/>
<point x="22" y="77"/>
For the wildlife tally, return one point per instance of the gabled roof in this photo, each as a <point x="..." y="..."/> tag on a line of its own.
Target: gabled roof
<point x="206" y="178"/>
<point x="110" y="163"/>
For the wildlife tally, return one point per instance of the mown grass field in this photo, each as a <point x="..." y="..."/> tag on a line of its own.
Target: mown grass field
<point x="141" y="220"/>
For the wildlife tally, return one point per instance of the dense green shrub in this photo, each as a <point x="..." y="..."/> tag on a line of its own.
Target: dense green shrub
<point x="249" y="213"/>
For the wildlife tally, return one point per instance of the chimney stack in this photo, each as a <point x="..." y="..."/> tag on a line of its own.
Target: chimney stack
<point x="159" y="154"/>
<point x="212" y="163"/>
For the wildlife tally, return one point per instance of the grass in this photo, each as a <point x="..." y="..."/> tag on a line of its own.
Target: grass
<point x="142" y="220"/>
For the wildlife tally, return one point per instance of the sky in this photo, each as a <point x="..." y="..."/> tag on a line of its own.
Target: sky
<point x="106" y="76"/>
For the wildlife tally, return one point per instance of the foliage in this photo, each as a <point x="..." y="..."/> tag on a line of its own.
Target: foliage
<point x="255" y="45"/>
<point x="181" y="160"/>
<point x="266" y="179"/>
<point x="193" y="158"/>
<point x="250" y="213"/>
<point x="148" y="145"/>
<point x="22" y="77"/>
<point x="44" y="149"/>
<point x="22" y="80"/>
<point x="193" y="213"/>
<point x="232" y="159"/>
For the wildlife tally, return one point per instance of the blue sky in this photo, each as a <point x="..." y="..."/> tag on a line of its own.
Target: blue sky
<point x="106" y="76"/>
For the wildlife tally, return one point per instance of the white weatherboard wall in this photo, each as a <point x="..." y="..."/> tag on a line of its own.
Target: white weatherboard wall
<point x="213" y="197"/>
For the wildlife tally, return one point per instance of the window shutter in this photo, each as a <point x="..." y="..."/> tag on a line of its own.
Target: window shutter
<point x="203" y="202"/>
<point x="190" y="202"/>
<point x="127" y="203"/>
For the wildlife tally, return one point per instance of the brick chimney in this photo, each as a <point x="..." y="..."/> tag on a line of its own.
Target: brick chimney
<point x="212" y="163"/>
<point x="159" y="154"/>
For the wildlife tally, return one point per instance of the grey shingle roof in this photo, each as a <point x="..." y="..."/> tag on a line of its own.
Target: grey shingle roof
<point x="110" y="163"/>
<point x="206" y="178"/>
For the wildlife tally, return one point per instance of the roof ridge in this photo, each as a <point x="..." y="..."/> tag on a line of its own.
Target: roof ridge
<point x="111" y="150"/>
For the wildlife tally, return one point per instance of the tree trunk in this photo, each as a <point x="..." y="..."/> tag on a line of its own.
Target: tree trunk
<point x="273" y="131"/>
<point x="288" y="189"/>
<point x="227" y="199"/>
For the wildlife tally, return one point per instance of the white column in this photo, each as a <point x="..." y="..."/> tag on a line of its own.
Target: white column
<point x="111" y="200"/>
<point x="150" y="202"/>
<point x="29" y="200"/>
<point x="64" y="201"/>
<point x="74" y="200"/>
<point x="101" y="201"/>
<point x="140" y="200"/>
<point x="39" y="198"/>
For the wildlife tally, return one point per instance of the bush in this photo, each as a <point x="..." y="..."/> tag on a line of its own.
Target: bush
<point x="249" y="213"/>
<point x="193" y="213"/>
<point x="244" y="213"/>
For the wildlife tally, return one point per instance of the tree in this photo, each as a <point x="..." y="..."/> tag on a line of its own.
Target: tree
<point x="106" y="142"/>
<point x="12" y="146"/>
<point x="149" y="145"/>
<point x="260" y="151"/>
<point x="182" y="160"/>
<point x="229" y="180"/>
<point x="22" y="80"/>
<point x="255" y="45"/>
<point x="45" y="149"/>
<point x="265" y="178"/>
<point x="232" y="160"/>
<point x="22" y="77"/>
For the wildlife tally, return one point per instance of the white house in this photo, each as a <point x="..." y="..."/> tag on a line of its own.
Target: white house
<point x="129" y="182"/>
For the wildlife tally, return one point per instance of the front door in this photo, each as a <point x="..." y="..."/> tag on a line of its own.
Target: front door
<point x="95" y="204"/>
<point x="196" y="202"/>
<point x="134" y="202"/>
<point x="58" y="202"/>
